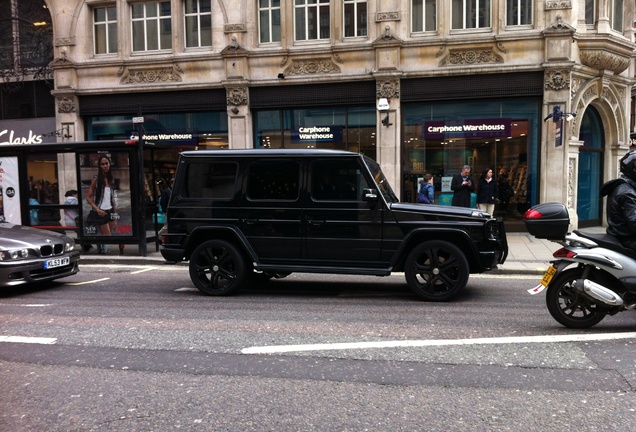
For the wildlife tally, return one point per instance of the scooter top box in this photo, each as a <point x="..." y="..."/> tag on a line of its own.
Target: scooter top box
<point x="548" y="221"/>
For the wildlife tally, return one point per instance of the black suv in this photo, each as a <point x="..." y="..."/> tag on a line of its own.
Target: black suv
<point x="241" y="216"/>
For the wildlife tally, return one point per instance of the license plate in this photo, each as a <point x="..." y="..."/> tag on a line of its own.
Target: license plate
<point x="545" y="281"/>
<point x="57" y="262"/>
<point x="547" y="277"/>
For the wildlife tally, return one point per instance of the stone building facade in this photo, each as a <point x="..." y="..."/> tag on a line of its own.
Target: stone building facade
<point x="539" y="91"/>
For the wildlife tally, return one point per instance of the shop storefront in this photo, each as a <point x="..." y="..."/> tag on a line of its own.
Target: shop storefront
<point x="500" y="134"/>
<point x="326" y="116"/>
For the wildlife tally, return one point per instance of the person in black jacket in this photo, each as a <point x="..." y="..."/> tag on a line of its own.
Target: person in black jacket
<point x="487" y="192"/>
<point x="462" y="186"/>
<point x="621" y="202"/>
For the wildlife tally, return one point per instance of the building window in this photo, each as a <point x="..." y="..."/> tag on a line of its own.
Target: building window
<point x="198" y="23"/>
<point x="269" y="20"/>
<point x="519" y="12"/>
<point x="151" y="26"/>
<point x="311" y="19"/>
<point x="355" y="18"/>
<point x="616" y="15"/>
<point x="471" y="14"/>
<point x="590" y="12"/>
<point x="424" y="15"/>
<point x="105" y="28"/>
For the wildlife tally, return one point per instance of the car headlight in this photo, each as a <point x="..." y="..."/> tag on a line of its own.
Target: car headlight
<point x="13" y="254"/>
<point x="69" y="247"/>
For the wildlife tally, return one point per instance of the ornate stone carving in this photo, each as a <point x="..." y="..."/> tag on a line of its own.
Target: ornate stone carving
<point x="65" y="41"/>
<point x="575" y="86"/>
<point x="387" y="16"/>
<point x="235" y="28"/>
<point x="558" y="4"/>
<point x="601" y="59"/>
<point x="66" y="104"/>
<point x="609" y="97"/>
<point x="236" y="96"/>
<point x="471" y="56"/>
<point x="387" y="88"/>
<point x="560" y="27"/>
<point x="557" y="79"/>
<point x="312" y="67"/>
<point x="147" y="75"/>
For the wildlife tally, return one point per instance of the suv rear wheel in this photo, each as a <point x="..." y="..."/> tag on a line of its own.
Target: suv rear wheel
<point x="436" y="270"/>
<point x="217" y="268"/>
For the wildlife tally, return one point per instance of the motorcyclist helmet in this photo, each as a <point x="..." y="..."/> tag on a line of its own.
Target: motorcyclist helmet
<point x="628" y="165"/>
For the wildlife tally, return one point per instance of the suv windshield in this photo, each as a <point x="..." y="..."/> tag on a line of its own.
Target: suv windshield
<point x="382" y="182"/>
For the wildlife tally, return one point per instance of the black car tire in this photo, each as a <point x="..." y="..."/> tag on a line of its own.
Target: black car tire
<point x="217" y="268"/>
<point x="436" y="270"/>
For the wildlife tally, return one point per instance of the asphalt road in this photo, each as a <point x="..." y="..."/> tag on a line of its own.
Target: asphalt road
<point x="137" y="348"/>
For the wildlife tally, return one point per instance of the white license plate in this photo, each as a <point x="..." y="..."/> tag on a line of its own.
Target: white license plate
<point x="57" y="262"/>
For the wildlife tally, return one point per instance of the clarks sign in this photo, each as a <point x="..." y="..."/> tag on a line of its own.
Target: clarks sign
<point x="9" y="137"/>
<point x="469" y="128"/>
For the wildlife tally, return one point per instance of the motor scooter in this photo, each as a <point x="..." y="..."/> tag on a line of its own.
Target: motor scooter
<point x="592" y="275"/>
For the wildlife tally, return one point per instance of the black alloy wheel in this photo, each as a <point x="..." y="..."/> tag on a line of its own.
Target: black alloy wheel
<point x="217" y="268"/>
<point x="436" y="270"/>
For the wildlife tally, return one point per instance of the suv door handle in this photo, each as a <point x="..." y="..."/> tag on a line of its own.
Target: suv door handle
<point x="249" y="221"/>
<point x="315" y="222"/>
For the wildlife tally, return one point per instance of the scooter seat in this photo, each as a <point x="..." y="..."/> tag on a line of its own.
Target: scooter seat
<point x="608" y="241"/>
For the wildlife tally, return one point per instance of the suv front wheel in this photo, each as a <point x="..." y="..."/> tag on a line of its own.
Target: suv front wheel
<point x="436" y="270"/>
<point x="217" y="268"/>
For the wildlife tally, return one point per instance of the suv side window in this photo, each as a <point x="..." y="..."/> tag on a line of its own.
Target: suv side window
<point x="273" y="180"/>
<point x="337" y="181"/>
<point x="215" y="180"/>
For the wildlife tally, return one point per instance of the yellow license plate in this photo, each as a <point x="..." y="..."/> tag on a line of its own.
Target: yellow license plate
<point x="549" y="274"/>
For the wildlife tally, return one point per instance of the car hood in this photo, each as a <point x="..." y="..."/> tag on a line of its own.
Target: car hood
<point x="17" y="236"/>
<point x="439" y="210"/>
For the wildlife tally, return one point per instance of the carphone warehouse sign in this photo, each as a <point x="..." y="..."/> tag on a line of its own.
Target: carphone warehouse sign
<point x="317" y="134"/>
<point x="468" y="128"/>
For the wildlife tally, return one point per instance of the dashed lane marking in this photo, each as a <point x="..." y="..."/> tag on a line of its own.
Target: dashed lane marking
<point x="31" y="340"/>
<point x="142" y="270"/>
<point x="440" y="342"/>
<point x="87" y="282"/>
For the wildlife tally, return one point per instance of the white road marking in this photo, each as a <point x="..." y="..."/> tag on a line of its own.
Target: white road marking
<point x="186" y="289"/>
<point x="31" y="340"/>
<point x="28" y="305"/>
<point x="440" y="342"/>
<point x="87" y="282"/>
<point x="142" y="271"/>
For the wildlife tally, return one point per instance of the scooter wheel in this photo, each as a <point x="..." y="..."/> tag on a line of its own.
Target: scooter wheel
<point x="567" y="306"/>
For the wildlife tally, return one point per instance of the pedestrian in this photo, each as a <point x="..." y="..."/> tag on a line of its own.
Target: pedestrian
<point x="71" y="215"/>
<point x="462" y="186"/>
<point x="426" y="194"/>
<point x="163" y="204"/>
<point x="33" y="212"/>
<point x="487" y="192"/>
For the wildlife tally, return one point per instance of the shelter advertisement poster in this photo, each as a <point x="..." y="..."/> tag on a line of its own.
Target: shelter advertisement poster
<point x="9" y="190"/>
<point x="105" y="193"/>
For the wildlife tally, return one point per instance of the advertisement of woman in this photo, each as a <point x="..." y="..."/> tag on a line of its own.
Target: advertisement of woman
<point x="106" y="180"/>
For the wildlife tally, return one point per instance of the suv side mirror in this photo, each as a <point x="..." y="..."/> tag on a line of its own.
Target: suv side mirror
<point x="369" y="195"/>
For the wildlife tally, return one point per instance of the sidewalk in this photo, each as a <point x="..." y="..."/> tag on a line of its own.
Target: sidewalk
<point x="526" y="255"/>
